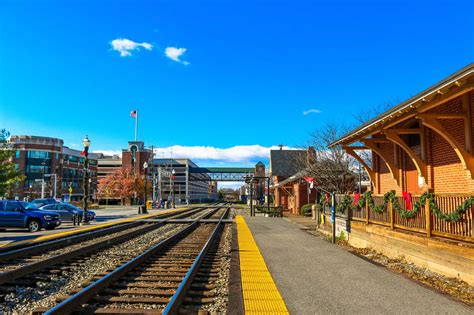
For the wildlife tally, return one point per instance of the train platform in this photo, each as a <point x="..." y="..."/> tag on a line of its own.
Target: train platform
<point x="314" y="276"/>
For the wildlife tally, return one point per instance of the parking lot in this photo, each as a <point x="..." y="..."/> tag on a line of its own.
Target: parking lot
<point x="103" y="215"/>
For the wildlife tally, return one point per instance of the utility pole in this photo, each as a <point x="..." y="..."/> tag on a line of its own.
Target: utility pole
<point x="42" y="178"/>
<point x="55" y="185"/>
<point x="360" y="179"/>
<point x="160" y="194"/>
<point x="268" y="193"/>
<point x="153" y="185"/>
<point x="42" y="188"/>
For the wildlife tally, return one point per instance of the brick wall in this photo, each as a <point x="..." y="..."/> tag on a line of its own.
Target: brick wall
<point x="448" y="174"/>
<point x="445" y="173"/>
<point x="384" y="179"/>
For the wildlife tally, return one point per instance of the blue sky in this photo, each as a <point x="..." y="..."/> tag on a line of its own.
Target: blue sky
<point x="254" y="67"/>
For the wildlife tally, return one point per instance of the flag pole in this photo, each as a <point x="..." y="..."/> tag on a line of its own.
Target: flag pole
<point x="136" y="125"/>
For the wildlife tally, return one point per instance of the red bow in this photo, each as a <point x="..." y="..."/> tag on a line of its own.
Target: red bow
<point x="356" y="198"/>
<point x="309" y="179"/>
<point x="407" y="197"/>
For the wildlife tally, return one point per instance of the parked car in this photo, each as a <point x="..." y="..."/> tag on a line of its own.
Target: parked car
<point x="28" y="205"/>
<point x="44" y="201"/>
<point x="67" y="211"/>
<point x="14" y="215"/>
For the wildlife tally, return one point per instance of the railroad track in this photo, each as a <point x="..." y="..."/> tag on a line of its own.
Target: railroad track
<point x="17" y="264"/>
<point x="162" y="279"/>
<point x="22" y="274"/>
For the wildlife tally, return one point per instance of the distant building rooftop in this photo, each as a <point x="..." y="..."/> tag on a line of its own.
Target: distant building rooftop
<point x="286" y="163"/>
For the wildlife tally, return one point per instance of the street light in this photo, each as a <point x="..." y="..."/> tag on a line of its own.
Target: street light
<point x="86" y="142"/>
<point x="145" y="169"/>
<point x="173" y="172"/>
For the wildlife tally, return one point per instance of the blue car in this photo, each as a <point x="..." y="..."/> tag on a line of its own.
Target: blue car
<point x="43" y="202"/>
<point x="67" y="211"/>
<point x="14" y="215"/>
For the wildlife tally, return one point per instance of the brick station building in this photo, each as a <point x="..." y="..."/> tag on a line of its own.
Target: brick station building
<point x="290" y="190"/>
<point x="423" y="144"/>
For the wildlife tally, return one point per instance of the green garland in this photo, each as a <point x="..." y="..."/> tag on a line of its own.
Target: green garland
<point x="404" y="213"/>
<point x="322" y="203"/>
<point x="454" y="216"/>
<point x="346" y="203"/>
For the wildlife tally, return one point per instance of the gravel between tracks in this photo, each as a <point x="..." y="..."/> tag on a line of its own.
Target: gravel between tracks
<point x="221" y="300"/>
<point x="25" y="299"/>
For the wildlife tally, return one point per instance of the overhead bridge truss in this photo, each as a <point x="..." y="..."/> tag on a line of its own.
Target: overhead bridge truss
<point x="222" y="174"/>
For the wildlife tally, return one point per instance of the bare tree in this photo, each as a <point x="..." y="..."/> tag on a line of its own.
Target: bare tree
<point x="331" y="168"/>
<point x="365" y="114"/>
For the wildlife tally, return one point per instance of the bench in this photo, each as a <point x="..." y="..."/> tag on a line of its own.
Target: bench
<point x="272" y="212"/>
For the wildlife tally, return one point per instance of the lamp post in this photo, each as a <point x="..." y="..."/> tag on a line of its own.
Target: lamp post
<point x="145" y="171"/>
<point x="43" y="164"/>
<point x="86" y="142"/>
<point x="173" y="172"/>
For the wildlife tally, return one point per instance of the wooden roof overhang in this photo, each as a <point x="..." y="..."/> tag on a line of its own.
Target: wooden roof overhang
<point x="449" y="88"/>
<point x="382" y="128"/>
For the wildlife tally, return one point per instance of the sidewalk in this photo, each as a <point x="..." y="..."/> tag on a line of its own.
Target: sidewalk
<point x="316" y="277"/>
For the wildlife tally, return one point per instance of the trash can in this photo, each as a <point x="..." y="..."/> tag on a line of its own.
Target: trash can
<point x="149" y="205"/>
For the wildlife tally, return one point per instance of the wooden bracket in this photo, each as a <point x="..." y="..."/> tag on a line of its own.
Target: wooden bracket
<point x="391" y="167"/>
<point x="466" y="105"/>
<point x="466" y="158"/>
<point x="419" y="164"/>
<point x="350" y="151"/>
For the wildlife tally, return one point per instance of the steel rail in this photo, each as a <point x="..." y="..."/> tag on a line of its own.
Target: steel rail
<point x="8" y="276"/>
<point x="75" y="301"/>
<point x="22" y="250"/>
<point x="178" y="297"/>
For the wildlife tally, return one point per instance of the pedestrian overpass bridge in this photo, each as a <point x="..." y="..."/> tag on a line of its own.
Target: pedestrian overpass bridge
<point x="222" y="174"/>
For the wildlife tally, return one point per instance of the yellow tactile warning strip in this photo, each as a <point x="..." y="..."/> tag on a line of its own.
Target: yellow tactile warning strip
<point x="87" y="228"/>
<point x="260" y="294"/>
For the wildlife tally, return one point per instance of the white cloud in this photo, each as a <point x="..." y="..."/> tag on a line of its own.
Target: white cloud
<point x="175" y="54"/>
<point x="109" y="152"/>
<point x="312" y="110"/>
<point x="126" y="46"/>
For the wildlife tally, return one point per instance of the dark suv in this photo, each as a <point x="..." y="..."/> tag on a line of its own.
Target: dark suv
<point x="14" y="215"/>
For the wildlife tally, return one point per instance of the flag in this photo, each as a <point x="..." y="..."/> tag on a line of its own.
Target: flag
<point x="407" y="197"/>
<point x="310" y="181"/>
<point x="133" y="113"/>
<point x="356" y="199"/>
